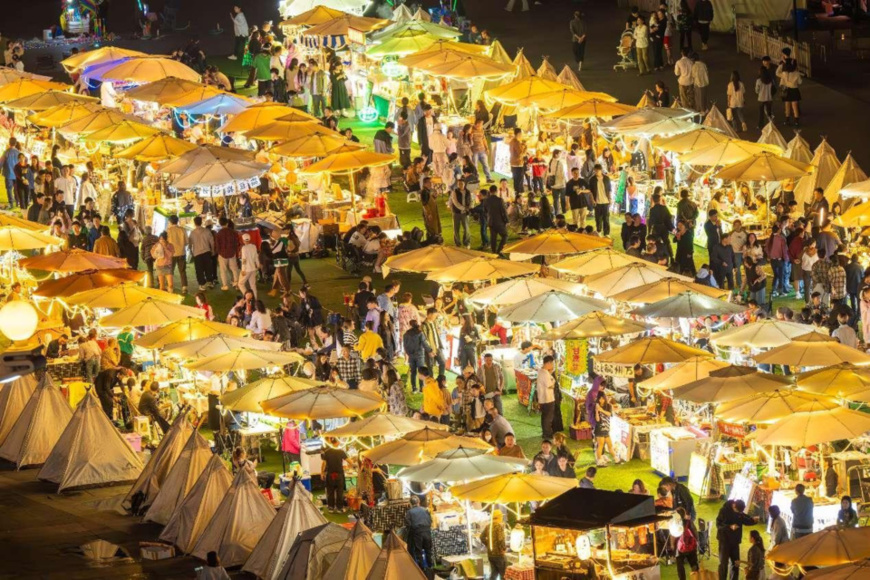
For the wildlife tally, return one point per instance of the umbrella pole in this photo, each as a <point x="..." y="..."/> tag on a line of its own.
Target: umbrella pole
<point x="468" y="526"/>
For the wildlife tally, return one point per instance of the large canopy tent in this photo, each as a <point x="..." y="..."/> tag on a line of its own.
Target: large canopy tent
<point x="394" y="562"/>
<point x="830" y="547"/>
<point x="248" y="398"/>
<point x="188" y="467"/>
<point x="313" y="551"/>
<point x="90" y="451"/>
<point x="522" y="289"/>
<point x="688" y="371"/>
<point x="13" y="398"/>
<point x="356" y="557"/>
<point x="194" y="513"/>
<point x="654" y="349"/>
<point x="238" y="523"/>
<point x="729" y="383"/>
<point x="38" y="427"/>
<point x="297" y="514"/>
<point x="588" y="509"/>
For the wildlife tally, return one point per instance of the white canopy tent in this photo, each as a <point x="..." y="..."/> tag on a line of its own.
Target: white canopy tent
<point x="39" y="426"/>
<point x="13" y="399"/>
<point x="181" y="478"/>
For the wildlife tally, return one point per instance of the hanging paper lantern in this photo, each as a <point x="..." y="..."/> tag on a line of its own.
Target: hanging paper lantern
<point x="584" y="547"/>
<point x="675" y="526"/>
<point x="292" y="178"/>
<point x="393" y="69"/>
<point x="368" y="114"/>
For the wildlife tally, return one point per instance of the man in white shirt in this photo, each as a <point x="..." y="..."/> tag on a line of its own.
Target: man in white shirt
<point x="67" y="184"/>
<point x="700" y="82"/>
<point x="240" y="31"/>
<point x="546" y="391"/>
<point x="359" y="238"/>
<point x="845" y="333"/>
<point x="250" y="266"/>
<point x="683" y="70"/>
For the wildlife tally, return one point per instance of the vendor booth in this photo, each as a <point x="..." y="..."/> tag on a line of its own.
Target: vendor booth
<point x="590" y="533"/>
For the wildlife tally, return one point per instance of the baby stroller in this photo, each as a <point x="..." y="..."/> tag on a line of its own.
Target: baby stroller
<point x="623" y="50"/>
<point x="704" y="550"/>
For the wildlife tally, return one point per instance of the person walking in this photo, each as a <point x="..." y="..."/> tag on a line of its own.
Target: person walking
<point x="641" y="44"/>
<point x="332" y="471"/>
<point x="201" y="243"/>
<point x="460" y="206"/>
<point x="802" y="513"/>
<point x="418" y="523"/>
<point x="658" y="23"/>
<point x="577" y="27"/>
<point x="417" y="351"/>
<point x="790" y="81"/>
<point x="240" y="32"/>
<point x="704" y="17"/>
<point x="736" y="100"/>
<point x="178" y="240"/>
<point x="765" y="87"/>
<point x="700" y="82"/>
<point x="512" y="3"/>
<point x="687" y="546"/>
<point x="227" y="244"/>
<point x="722" y="262"/>
<point x="556" y="174"/>
<point x="319" y="87"/>
<point x="755" y="557"/>
<point x="494" y="539"/>
<point x="683" y="70"/>
<point x="684" y="27"/>
<point x="479" y="149"/>
<point x="599" y="184"/>
<point x="729" y="532"/>
<point x="250" y="266"/>
<point x="497" y="220"/>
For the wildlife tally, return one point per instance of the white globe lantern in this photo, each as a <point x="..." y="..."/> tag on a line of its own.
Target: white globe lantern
<point x="18" y="320"/>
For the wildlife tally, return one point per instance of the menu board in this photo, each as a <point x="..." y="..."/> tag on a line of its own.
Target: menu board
<point x="620" y="438"/>
<point x="699" y="479"/>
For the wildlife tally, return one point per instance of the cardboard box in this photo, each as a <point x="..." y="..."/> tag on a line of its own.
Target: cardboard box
<point x="156" y="551"/>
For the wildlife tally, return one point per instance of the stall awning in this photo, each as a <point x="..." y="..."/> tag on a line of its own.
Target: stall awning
<point x="588" y="509"/>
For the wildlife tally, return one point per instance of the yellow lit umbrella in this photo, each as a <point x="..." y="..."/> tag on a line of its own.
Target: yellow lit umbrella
<point x="813" y="350"/>
<point x="513" y="488"/>
<point x="853" y="571"/>
<point x="522" y="289"/>
<point x="443" y="33"/>
<point x="562" y="98"/>
<point x="26" y="87"/>
<point x="726" y="153"/>
<point x="146" y="70"/>
<point x="856" y="216"/>
<point x="596" y="325"/>
<point x="67" y="261"/>
<point x="316" y="145"/>
<point x="844" y="380"/>
<point x="442" y="51"/>
<point x="248" y="398"/>
<point x="730" y="383"/>
<point x="683" y="373"/>
<point x="649" y="350"/>
<point x="403" y="42"/>
<point x="16" y="238"/>
<point x="430" y="258"/>
<point x="121" y="296"/>
<point x="694" y="140"/>
<point x="244" y="359"/>
<point x="194" y="96"/>
<point x="467" y="467"/>
<point x="342" y="26"/>
<point x="10" y="75"/>
<point x="478" y="269"/>
<point x="551" y="306"/>
<point x="419" y="446"/>
<point x="593" y="108"/>
<point x="773" y="406"/>
<point x="467" y="67"/>
<point x="554" y="242"/>
<point x="828" y="547"/>
<point x="764" y="166"/>
<point x="47" y="100"/>
<point x="262" y="114"/>
<point x="349" y="161"/>
<point x="84" y="281"/>
<point x="63" y="114"/>
<point x="202" y="156"/>
<point x="11" y="220"/>
<point x="294" y="116"/>
<point x="595" y="262"/>
<point x="286" y="130"/>
<point x="815" y="427"/>
<point x="382" y="425"/>
<point x="123" y="131"/>
<point x="220" y="172"/>
<point x="150" y="312"/>
<point x="524" y="88"/>
<point x="323" y="403"/>
<point x="612" y="282"/>
<point x="187" y="329"/>
<point x="96" y="121"/>
<point x="216" y="344"/>
<point x="666" y="288"/>
<point x="83" y="60"/>
<point x="164" y="90"/>
<point x="158" y="147"/>
<point x="762" y="334"/>
<point x="688" y="304"/>
<point x="313" y="17"/>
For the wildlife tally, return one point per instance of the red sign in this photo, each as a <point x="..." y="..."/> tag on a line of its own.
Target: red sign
<point x="731" y="430"/>
<point x="356" y="36"/>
